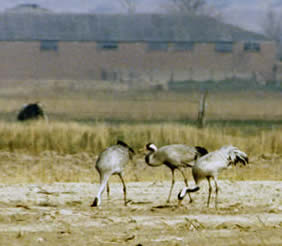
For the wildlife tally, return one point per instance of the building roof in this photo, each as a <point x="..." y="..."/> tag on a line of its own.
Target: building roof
<point x="18" y="26"/>
<point x="28" y="8"/>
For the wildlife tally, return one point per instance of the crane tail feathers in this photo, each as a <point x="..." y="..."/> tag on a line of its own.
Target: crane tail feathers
<point x="240" y="156"/>
<point x="201" y="150"/>
<point x="119" y="142"/>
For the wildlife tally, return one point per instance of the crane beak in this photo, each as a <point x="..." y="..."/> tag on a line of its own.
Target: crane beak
<point x="144" y="149"/>
<point x="95" y="202"/>
<point x="141" y="151"/>
<point x="179" y="203"/>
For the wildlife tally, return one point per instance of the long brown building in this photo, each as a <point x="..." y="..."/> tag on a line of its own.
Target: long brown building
<point x="39" y="44"/>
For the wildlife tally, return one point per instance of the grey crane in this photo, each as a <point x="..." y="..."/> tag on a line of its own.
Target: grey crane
<point x="112" y="161"/>
<point x="210" y="165"/>
<point x="174" y="156"/>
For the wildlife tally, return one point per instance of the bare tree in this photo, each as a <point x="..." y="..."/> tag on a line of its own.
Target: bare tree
<point x="129" y="5"/>
<point x="187" y="6"/>
<point x="271" y="25"/>
<point x="272" y="28"/>
<point x="191" y="7"/>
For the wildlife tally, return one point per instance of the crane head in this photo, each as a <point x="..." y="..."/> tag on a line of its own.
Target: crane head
<point x="151" y="147"/>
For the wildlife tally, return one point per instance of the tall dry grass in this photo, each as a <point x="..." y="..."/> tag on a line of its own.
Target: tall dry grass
<point x="72" y="137"/>
<point x="66" y="152"/>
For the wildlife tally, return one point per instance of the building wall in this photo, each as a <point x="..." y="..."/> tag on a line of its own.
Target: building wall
<point x="132" y="61"/>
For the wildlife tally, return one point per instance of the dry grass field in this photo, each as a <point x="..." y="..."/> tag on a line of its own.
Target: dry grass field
<point x="90" y="101"/>
<point x="48" y="179"/>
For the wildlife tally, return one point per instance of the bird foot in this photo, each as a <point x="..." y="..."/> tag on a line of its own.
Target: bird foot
<point x="127" y="202"/>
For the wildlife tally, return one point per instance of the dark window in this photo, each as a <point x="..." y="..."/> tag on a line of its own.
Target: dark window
<point x="49" y="45"/>
<point x="104" y="75"/>
<point x="250" y="46"/>
<point x="279" y="51"/>
<point x="182" y="46"/>
<point x="107" y="45"/>
<point x="223" y="47"/>
<point x="157" y="46"/>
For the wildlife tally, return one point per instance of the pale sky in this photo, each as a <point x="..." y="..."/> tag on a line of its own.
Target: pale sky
<point x="247" y="13"/>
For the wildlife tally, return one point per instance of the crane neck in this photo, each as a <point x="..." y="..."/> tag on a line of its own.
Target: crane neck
<point x="149" y="159"/>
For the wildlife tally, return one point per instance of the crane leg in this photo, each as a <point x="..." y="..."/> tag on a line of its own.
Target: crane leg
<point x="124" y="188"/>
<point x="210" y="191"/>
<point x="186" y="184"/>
<point x="216" y="191"/>
<point x="103" y="182"/>
<point x="171" y="187"/>
<point x="108" y="190"/>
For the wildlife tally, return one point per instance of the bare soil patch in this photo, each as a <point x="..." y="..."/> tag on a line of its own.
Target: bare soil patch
<point x="249" y="213"/>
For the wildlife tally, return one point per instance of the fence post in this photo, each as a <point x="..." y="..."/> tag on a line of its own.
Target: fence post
<point x="202" y="110"/>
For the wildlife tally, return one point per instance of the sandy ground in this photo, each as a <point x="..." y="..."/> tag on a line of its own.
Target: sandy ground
<point x="249" y="213"/>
